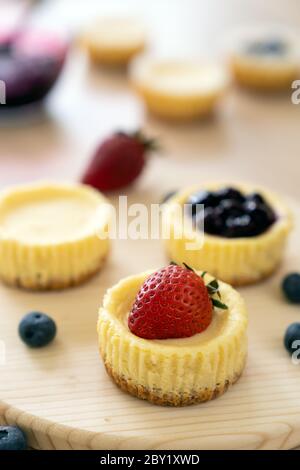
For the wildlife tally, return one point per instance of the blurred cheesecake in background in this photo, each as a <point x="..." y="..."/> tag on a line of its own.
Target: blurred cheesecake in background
<point x="52" y="236"/>
<point x="30" y="64"/>
<point x="179" y="89"/>
<point x="114" y="41"/>
<point x="265" y="58"/>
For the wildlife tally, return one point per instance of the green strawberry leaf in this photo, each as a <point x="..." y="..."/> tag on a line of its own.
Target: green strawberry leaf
<point x="214" y="284"/>
<point x="218" y="304"/>
<point x="188" y="267"/>
<point x="212" y="290"/>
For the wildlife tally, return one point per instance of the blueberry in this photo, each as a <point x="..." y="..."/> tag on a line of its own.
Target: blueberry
<point x="213" y="223"/>
<point x="230" y="208"/>
<point x="238" y="227"/>
<point x="292" y="334"/>
<point x="205" y="198"/>
<point x="168" y="196"/>
<point x="256" y="197"/>
<point x="230" y="193"/>
<point x="291" y="287"/>
<point x="37" y="329"/>
<point x="12" y="438"/>
<point x="262" y="215"/>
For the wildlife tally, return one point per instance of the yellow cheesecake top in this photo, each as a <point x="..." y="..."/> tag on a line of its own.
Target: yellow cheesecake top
<point x="119" y="301"/>
<point x="50" y="213"/>
<point x="181" y="78"/>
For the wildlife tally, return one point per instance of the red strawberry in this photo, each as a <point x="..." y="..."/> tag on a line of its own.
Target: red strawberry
<point x="118" y="161"/>
<point x="174" y="302"/>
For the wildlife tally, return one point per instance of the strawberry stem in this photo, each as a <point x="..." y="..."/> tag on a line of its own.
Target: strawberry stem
<point x="149" y="144"/>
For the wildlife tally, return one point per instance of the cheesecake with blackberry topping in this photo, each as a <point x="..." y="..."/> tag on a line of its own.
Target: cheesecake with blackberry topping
<point x="174" y="336"/>
<point x="265" y="58"/>
<point x="245" y="231"/>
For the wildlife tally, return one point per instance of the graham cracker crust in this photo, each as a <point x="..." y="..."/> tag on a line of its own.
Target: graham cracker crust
<point x="156" y="397"/>
<point x="54" y="284"/>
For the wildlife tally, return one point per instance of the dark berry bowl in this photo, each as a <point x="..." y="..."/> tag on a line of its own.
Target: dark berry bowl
<point x="30" y="64"/>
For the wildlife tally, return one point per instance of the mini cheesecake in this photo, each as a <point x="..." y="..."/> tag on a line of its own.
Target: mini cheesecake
<point x="52" y="236"/>
<point x="178" y="371"/>
<point x="179" y="90"/>
<point x="240" y="239"/>
<point x="266" y="59"/>
<point x="114" y="41"/>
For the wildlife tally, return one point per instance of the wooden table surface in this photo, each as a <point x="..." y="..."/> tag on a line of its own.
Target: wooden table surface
<point x="252" y="137"/>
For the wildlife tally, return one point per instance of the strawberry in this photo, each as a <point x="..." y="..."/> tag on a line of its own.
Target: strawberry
<point x="118" y="161"/>
<point x="174" y="302"/>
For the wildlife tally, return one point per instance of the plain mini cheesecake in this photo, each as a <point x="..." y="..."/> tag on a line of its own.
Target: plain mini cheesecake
<point x="114" y="41"/>
<point x="265" y="58"/>
<point x="241" y="234"/>
<point x="162" y="339"/>
<point x="179" y="89"/>
<point x="52" y="235"/>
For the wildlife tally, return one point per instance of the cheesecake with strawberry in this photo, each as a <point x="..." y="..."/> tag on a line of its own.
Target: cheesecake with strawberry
<point x="174" y="336"/>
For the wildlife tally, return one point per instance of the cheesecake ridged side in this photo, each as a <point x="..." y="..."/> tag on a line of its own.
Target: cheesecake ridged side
<point x="171" y="375"/>
<point x="265" y="77"/>
<point x="177" y="107"/>
<point x="43" y="267"/>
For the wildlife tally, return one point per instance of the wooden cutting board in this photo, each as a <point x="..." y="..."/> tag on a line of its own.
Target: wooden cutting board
<point x="61" y="395"/>
<point x="63" y="399"/>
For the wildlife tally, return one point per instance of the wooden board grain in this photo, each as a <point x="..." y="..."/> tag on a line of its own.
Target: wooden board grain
<point x="63" y="398"/>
